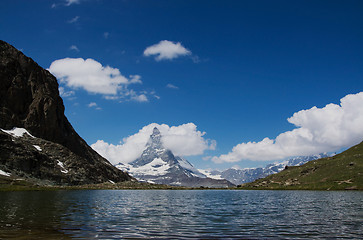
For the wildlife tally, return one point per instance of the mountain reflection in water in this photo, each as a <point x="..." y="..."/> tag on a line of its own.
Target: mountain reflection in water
<point x="115" y="214"/>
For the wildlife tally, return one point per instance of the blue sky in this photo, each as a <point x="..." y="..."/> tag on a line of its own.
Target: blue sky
<point x="243" y="69"/>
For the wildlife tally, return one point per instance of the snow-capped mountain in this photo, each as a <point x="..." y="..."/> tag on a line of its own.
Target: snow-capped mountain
<point x="240" y="176"/>
<point x="159" y="165"/>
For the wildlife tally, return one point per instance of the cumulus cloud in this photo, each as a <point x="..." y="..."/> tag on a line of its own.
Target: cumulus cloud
<point x="90" y="75"/>
<point x="169" y="85"/>
<point x="166" y="50"/>
<point x="182" y="140"/>
<point x="317" y="130"/>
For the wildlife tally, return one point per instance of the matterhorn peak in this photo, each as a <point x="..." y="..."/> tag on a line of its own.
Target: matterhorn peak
<point x="155" y="139"/>
<point x="155" y="131"/>
<point x="155" y="136"/>
<point x="159" y="165"/>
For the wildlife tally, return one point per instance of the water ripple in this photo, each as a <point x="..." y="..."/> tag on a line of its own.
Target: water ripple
<point x="206" y="214"/>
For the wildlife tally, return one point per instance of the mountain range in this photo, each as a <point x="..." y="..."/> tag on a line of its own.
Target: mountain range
<point x="159" y="165"/>
<point x="240" y="176"/>
<point x="343" y="171"/>
<point x="39" y="145"/>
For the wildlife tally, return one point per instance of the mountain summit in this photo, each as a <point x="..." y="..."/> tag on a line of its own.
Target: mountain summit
<point x="159" y="165"/>
<point x="36" y="139"/>
<point x="155" y="138"/>
<point x="154" y="149"/>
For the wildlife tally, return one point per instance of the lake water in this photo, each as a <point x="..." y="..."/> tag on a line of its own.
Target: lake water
<point x="165" y="214"/>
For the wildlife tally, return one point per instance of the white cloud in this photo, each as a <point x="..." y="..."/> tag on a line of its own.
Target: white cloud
<point x="182" y="140"/>
<point x="64" y="93"/>
<point x="169" y="85"/>
<point x="106" y="35"/>
<point x="206" y="158"/>
<point x="135" y="79"/>
<point x="74" y="47"/>
<point x="212" y="144"/>
<point x="91" y="76"/>
<point x="66" y="3"/>
<point x="166" y="50"/>
<point x="318" y="130"/>
<point x="140" y="98"/>
<point x="70" y="2"/>
<point x="73" y="20"/>
<point x="92" y="104"/>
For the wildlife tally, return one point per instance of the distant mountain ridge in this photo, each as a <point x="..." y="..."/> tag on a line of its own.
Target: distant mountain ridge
<point x="159" y="165"/>
<point x="240" y="176"/>
<point x="30" y="104"/>
<point x="343" y="171"/>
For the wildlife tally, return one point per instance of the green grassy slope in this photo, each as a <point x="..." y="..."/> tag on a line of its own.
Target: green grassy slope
<point x="340" y="172"/>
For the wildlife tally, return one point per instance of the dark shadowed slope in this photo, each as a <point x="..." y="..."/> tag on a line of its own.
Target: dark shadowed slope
<point x="29" y="99"/>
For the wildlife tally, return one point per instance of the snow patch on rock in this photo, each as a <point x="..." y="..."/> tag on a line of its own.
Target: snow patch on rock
<point x="61" y="165"/>
<point x="37" y="148"/>
<point x="17" y="132"/>
<point x="4" y="173"/>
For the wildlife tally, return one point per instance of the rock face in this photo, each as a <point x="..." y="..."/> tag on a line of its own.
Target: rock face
<point x="29" y="99"/>
<point x="240" y="176"/>
<point x="159" y="165"/>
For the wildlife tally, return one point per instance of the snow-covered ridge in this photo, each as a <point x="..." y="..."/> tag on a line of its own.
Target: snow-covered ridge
<point x="155" y="168"/>
<point x="209" y="174"/>
<point x="239" y="176"/>
<point x="17" y="132"/>
<point x="187" y="165"/>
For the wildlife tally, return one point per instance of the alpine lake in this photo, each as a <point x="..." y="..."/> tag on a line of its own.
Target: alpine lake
<point x="181" y="214"/>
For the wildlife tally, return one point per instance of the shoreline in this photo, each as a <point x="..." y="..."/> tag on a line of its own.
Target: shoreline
<point x="27" y="186"/>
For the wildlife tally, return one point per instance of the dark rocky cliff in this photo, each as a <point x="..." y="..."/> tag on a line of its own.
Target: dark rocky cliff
<point x="29" y="98"/>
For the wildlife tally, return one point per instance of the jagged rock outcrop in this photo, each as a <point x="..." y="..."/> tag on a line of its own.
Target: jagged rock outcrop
<point x="159" y="165"/>
<point x="29" y="99"/>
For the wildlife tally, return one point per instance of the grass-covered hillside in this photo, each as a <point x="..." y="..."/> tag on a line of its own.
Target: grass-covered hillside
<point x="340" y="172"/>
